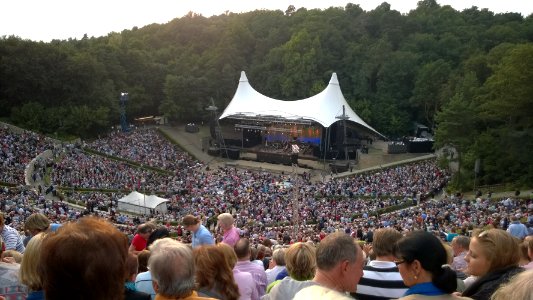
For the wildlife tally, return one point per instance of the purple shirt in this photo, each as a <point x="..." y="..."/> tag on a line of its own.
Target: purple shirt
<point x="258" y="274"/>
<point x="231" y="237"/>
<point x="246" y="285"/>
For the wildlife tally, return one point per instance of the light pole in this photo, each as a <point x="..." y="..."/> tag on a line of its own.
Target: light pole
<point x="144" y="194"/>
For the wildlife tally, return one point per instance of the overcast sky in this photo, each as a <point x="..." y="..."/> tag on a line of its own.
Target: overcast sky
<point x="44" y="20"/>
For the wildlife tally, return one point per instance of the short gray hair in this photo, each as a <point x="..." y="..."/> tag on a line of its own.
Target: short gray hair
<point x="171" y="264"/>
<point x="462" y="241"/>
<point x="335" y="248"/>
<point x="279" y="257"/>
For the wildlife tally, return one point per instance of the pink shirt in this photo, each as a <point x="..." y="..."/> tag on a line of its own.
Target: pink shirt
<point x="246" y="285"/>
<point x="231" y="237"/>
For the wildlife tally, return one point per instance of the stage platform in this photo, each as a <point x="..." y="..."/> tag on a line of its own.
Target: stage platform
<point x="376" y="158"/>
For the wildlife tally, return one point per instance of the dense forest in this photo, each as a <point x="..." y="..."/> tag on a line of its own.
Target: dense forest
<point x="467" y="74"/>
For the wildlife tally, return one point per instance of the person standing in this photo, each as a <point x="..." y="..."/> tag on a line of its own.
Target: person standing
<point x="382" y="279"/>
<point x="243" y="252"/>
<point x="339" y="263"/>
<point x="231" y="233"/>
<point x="140" y="239"/>
<point x="200" y="234"/>
<point x="12" y="239"/>
<point x="516" y="228"/>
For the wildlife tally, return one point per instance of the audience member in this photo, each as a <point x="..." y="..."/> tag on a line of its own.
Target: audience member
<point x="244" y="280"/>
<point x="300" y="261"/>
<point x="421" y="259"/>
<point x="277" y="265"/>
<point x="493" y="257"/>
<point x="30" y="274"/>
<point x="339" y="263"/>
<point x="84" y="260"/>
<point x="142" y="259"/>
<point x="214" y="277"/>
<point x="381" y="278"/>
<point x="200" y="234"/>
<point x="231" y="233"/>
<point x="516" y="228"/>
<point x="11" y="237"/>
<point x="132" y="267"/>
<point x="10" y="285"/>
<point x="460" y="245"/>
<point x="520" y="287"/>
<point x="172" y="267"/>
<point x="242" y="250"/>
<point x="528" y="241"/>
<point x="140" y="239"/>
<point x="317" y="292"/>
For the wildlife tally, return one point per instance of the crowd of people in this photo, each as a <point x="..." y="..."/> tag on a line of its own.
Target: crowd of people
<point x="16" y="152"/>
<point x="146" y="146"/>
<point x="233" y="235"/>
<point x="487" y="264"/>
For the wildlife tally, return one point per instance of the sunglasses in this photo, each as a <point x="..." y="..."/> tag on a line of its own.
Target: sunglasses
<point x="399" y="262"/>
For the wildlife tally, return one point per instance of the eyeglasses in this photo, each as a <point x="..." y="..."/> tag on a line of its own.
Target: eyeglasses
<point x="399" y="262"/>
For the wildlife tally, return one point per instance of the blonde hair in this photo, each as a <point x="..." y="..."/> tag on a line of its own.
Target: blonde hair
<point x="36" y="222"/>
<point x="519" y="287"/>
<point x="225" y="218"/>
<point x="13" y="253"/>
<point x="500" y="248"/>
<point x="449" y="253"/>
<point x="300" y="261"/>
<point x="384" y="241"/>
<point x="29" y="268"/>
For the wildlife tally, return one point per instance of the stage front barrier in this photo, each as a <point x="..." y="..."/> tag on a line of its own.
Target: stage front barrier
<point x="422" y="146"/>
<point x="277" y="158"/>
<point x="232" y="153"/>
<point x="396" y="147"/>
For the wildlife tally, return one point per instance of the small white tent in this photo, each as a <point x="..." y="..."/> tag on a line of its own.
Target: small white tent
<point x="139" y="203"/>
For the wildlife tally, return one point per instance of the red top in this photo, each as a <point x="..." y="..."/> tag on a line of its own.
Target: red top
<point x="138" y="242"/>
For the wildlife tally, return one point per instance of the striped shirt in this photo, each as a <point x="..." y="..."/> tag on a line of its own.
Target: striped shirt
<point x="12" y="239"/>
<point x="381" y="280"/>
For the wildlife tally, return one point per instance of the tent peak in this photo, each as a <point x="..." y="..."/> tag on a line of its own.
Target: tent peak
<point x="334" y="79"/>
<point x="243" y="77"/>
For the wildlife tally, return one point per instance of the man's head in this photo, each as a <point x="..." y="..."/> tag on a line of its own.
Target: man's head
<point x="340" y="259"/>
<point x="384" y="241"/>
<point x="85" y="258"/>
<point x="171" y="264"/>
<point x="225" y="221"/>
<point x="191" y="223"/>
<point x="460" y="244"/>
<point x="242" y="249"/>
<point x="145" y="230"/>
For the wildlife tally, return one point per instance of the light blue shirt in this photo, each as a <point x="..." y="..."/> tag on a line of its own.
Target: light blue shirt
<point x="517" y="230"/>
<point x="143" y="283"/>
<point x="202" y="236"/>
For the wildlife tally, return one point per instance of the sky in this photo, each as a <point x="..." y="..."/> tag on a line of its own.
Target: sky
<point x="44" y="20"/>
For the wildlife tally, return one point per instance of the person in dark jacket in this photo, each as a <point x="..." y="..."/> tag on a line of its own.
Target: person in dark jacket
<point x="493" y="257"/>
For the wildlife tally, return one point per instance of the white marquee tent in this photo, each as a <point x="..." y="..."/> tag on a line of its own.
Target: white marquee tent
<point x="140" y="203"/>
<point x="322" y="108"/>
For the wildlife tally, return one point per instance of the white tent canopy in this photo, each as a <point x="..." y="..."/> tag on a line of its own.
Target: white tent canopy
<point x="140" y="203"/>
<point x="322" y="108"/>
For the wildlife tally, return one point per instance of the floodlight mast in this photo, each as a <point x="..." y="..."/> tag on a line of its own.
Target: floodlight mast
<point x="123" y="122"/>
